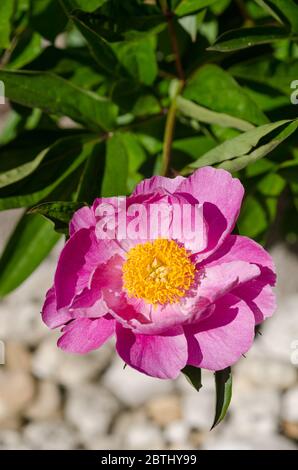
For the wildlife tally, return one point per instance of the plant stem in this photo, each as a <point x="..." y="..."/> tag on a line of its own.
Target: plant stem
<point x="171" y="115"/>
<point x="168" y="138"/>
<point x="174" y="43"/>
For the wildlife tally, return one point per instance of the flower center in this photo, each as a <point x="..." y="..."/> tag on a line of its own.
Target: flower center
<point x="158" y="272"/>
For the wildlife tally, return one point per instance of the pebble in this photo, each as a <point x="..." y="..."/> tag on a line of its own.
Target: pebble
<point x="51" y="435"/>
<point x="53" y="364"/>
<point x="198" y="408"/>
<point x="17" y="357"/>
<point x="289" y="406"/>
<point x="11" y="440"/>
<point x="137" y="432"/>
<point x="47" y="403"/>
<point x="131" y="387"/>
<point x="277" y="374"/>
<point x="164" y="410"/>
<point x="253" y="412"/>
<point x="16" y="392"/>
<point x="176" y="432"/>
<point x="91" y="409"/>
<point x="280" y="333"/>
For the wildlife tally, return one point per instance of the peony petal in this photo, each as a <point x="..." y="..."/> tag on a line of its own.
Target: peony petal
<point x="219" y="341"/>
<point x="237" y="247"/>
<point x="82" y="218"/>
<point x="216" y="186"/>
<point x="50" y="315"/>
<point x="85" y="334"/>
<point x="259" y="297"/>
<point x="159" y="356"/>
<point x="80" y="257"/>
<point x="218" y="280"/>
<point x="257" y="293"/>
<point x="151" y="185"/>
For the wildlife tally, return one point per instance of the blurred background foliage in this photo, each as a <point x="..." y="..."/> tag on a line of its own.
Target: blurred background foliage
<point x="103" y="93"/>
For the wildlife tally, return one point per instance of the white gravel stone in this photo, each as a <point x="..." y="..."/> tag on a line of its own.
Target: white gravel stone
<point x="132" y="387"/>
<point x="280" y="333"/>
<point x="51" y="435"/>
<point x="109" y="442"/>
<point x="70" y="370"/>
<point x="276" y="374"/>
<point x="289" y="406"/>
<point x="263" y="442"/>
<point x="46" y="404"/>
<point x="11" y="440"/>
<point x="198" y="408"/>
<point x="16" y="392"/>
<point x="253" y="411"/>
<point x="286" y="266"/>
<point x="91" y="409"/>
<point x="143" y="436"/>
<point x="137" y="432"/>
<point x="176" y="433"/>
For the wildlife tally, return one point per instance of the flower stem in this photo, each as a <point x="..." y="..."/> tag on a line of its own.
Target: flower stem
<point x="168" y="138"/>
<point x="171" y="115"/>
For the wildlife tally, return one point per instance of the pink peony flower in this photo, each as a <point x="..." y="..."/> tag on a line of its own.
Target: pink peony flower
<point x="170" y="301"/>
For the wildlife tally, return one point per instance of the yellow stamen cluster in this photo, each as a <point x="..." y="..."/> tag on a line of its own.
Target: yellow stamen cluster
<point x="159" y="272"/>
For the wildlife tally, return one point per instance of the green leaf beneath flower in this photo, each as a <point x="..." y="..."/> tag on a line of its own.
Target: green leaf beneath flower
<point x="223" y="383"/>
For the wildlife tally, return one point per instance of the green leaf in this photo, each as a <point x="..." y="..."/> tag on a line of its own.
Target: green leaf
<point x="268" y="71"/>
<point x="285" y="11"/>
<point x="31" y="241"/>
<point x="223" y="382"/>
<point x="201" y="114"/>
<point x="242" y="38"/>
<point x="240" y="147"/>
<point x="54" y="95"/>
<point x="289" y="170"/>
<point x="241" y="162"/>
<point x="99" y="47"/>
<point x="116" y="168"/>
<point x="216" y="89"/>
<point x="28" y="47"/>
<point x="91" y="177"/>
<point x="138" y="58"/>
<point x="48" y="18"/>
<point x="60" y="161"/>
<point x="6" y="12"/>
<point x="187" y="7"/>
<point x="194" y="146"/>
<point x="18" y="173"/>
<point x="193" y="376"/>
<point x="136" y="157"/>
<point x="60" y="213"/>
<point x="260" y="205"/>
<point x="253" y="218"/>
<point x="90" y="5"/>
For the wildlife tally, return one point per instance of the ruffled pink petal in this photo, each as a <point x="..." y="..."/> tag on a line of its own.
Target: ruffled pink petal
<point x="51" y="317"/>
<point x="82" y="218"/>
<point x="259" y="297"/>
<point x="106" y="276"/>
<point x="85" y="334"/>
<point x="258" y="292"/>
<point x="219" y="341"/>
<point x="218" y="280"/>
<point x="80" y="257"/>
<point x="159" y="356"/>
<point x="150" y="185"/>
<point x="219" y="188"/>
<point x="237" y="247"/>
